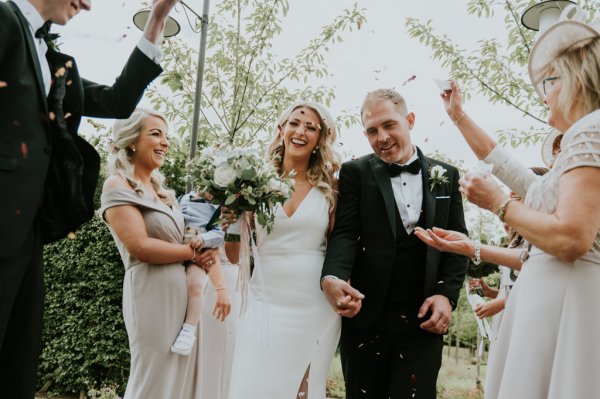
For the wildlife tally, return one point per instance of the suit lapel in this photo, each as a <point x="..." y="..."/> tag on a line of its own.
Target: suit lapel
<point x="428" y="194"/>
<point x="25" y="31"/>
<point x="382" y="177"/>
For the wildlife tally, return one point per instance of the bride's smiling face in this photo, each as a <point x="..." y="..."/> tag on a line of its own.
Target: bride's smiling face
<point x="300" y="133"/>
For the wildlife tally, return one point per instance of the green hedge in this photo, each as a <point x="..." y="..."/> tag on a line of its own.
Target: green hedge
<point x="84" y="337"/>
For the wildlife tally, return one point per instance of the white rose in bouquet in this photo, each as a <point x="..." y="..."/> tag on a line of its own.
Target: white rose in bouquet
<point x="278" y="185"/>
<point x="224" y="175"/>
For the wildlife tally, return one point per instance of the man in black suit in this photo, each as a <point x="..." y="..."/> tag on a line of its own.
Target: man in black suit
<point x="44" y="163"/>
<point x="397" y="294"/>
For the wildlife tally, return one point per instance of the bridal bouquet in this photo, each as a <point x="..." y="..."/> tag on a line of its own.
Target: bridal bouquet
<point x="242" y="180"/>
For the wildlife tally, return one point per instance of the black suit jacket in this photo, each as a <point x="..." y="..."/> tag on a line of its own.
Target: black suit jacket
<point x="25" y="134"/>
<point x="362" y="246"/>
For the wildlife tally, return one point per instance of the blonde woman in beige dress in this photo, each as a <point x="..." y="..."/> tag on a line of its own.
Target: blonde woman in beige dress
<point x="547" y="346"/>
<point x="148" y="227"/>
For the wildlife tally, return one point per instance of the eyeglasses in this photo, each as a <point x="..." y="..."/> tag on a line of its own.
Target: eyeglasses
<point x="547" y="83"/>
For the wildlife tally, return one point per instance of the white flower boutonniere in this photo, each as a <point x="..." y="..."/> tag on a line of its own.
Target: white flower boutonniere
<point x="436" y="176"/>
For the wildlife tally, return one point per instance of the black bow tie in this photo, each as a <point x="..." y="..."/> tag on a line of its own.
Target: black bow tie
<point x="414" y="167"/>
<point x="44" y="33"/>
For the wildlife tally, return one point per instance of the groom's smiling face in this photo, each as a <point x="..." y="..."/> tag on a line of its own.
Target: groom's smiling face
<point x="388" y="131"/>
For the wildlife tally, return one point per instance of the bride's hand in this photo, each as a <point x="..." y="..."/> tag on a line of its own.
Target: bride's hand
<point x="446" y="240"/>
<point x="228" y="217"/>
<point x="453" y="101"/>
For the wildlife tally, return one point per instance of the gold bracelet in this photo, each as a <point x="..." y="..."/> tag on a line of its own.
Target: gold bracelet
<point x="220" y="288"/>
<point x="501" y="212"/>
<point x="462" y="115"/>
<point x="193" y="258"/>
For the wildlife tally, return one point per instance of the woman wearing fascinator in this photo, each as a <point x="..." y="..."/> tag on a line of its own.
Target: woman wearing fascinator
<point x="547" y="344"/>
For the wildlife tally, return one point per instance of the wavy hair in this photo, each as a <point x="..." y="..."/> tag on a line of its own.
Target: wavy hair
<point x="126" y="132"/>
<point x="579" y="69"/>
<point x="324" y="163"/>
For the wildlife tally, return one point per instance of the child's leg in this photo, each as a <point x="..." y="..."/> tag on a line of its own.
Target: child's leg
<point x="196" y="280"/>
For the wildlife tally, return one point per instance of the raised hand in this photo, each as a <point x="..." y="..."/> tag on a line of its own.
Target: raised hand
<point x="453" y="101"/>
<point x="158" y="16"/>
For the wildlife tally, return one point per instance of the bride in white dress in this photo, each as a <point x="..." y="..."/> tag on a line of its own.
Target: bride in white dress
<point x="289" y="333"/>
<point x="547" y="346"/>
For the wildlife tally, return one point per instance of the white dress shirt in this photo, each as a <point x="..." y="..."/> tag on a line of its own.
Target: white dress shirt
<point x="35" y="20"/>
<point x="408" y="193"/>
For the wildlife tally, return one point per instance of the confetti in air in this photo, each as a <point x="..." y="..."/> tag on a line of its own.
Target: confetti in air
<point x="413" y="77"/>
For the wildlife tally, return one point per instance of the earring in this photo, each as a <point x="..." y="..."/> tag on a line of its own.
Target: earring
<point x="133" y="148"/>
<point x="315" y="150"/>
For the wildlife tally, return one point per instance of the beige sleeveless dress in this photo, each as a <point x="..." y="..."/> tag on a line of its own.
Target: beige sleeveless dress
<point x="154" y="305"/>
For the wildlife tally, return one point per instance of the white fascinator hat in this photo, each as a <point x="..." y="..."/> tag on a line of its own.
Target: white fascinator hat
<point x="568" y="32"/>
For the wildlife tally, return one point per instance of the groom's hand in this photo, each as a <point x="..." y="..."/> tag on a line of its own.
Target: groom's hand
<point x="441" y="312"/>
<point x="344" y="299"/>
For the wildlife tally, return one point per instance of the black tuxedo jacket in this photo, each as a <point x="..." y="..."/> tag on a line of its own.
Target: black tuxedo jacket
<point x="362" y="246"/>
<point x="25" y="133"/>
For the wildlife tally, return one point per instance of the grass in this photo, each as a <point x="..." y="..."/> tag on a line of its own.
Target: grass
<point x="457" y="380"/>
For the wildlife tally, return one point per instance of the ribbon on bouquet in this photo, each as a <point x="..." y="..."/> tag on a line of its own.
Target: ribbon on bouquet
<point x="248" y="247"/>
<point x="483" y="325"/>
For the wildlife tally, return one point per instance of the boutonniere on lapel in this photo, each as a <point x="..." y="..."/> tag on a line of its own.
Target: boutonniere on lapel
<point x="50" y="38"/>
<point x="437" y="177"/>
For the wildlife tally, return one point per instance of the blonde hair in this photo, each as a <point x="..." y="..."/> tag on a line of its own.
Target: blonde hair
<point x="126" y="132"/>
<point x="385" y="95"/>
<point x="579" y="70"/>
<point x="324" y="163"/>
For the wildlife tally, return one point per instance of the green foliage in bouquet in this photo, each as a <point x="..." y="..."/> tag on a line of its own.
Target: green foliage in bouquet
<point x="242" y="180"/>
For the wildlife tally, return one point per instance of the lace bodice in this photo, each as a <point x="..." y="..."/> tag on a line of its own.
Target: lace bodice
<point x="580" y="147"/>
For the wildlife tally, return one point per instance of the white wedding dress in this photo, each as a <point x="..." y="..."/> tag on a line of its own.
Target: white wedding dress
<point x="547" y="346"/>
<point x="289" y="326"/>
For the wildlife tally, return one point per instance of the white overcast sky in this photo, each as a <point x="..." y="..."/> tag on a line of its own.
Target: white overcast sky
<point x="102" y="39"/>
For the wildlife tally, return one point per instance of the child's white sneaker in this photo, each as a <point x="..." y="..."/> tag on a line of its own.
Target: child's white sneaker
<point x="185" y="341"/>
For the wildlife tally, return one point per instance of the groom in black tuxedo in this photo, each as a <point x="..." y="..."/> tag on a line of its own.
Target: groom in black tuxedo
<point x="47" y="172"/>
<point x="397" y="294"/>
